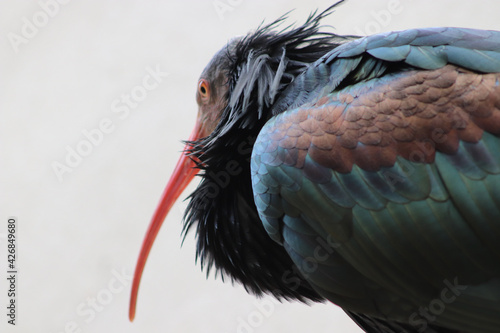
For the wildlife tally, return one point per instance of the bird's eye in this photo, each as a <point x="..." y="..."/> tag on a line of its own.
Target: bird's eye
<point x="203" y="89"/>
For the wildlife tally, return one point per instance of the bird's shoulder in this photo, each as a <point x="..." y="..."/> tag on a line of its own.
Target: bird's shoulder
<point x="375" y="56"/>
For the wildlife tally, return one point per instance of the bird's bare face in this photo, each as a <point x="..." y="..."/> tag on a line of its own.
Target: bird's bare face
<point x="211" y="96"/>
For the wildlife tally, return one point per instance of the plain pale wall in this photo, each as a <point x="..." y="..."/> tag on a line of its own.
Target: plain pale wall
<point x="75" y="236"/>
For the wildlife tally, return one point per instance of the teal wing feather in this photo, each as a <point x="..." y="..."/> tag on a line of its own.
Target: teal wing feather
<point x="383" y="183"/>
<point x="387" y="252"/>
<point x="431" y="48"/>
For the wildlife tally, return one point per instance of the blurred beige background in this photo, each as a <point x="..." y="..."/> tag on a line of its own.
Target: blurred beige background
<point x="64" y="68"/>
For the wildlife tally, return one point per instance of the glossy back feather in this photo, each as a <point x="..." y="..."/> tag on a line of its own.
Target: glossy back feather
<point x="387" y="149"/>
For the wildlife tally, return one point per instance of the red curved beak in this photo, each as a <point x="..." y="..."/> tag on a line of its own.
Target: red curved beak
<point x="184" y="172"/>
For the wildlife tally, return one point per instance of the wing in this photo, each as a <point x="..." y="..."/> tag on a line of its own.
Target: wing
<point x="374" y="56"/>
<point x="385" y="191"/>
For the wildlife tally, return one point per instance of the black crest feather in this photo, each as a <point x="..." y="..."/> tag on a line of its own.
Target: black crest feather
<point x="229" y="232"/>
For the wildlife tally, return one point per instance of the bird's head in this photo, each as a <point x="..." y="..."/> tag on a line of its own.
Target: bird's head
<point x="235" y="95"/>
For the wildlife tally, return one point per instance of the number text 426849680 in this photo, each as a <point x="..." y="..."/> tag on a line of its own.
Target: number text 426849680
<point x="12" y="270"/>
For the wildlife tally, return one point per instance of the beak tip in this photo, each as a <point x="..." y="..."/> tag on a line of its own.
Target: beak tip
<point x="131" y="311"/>
<point x="183" y="174"/>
